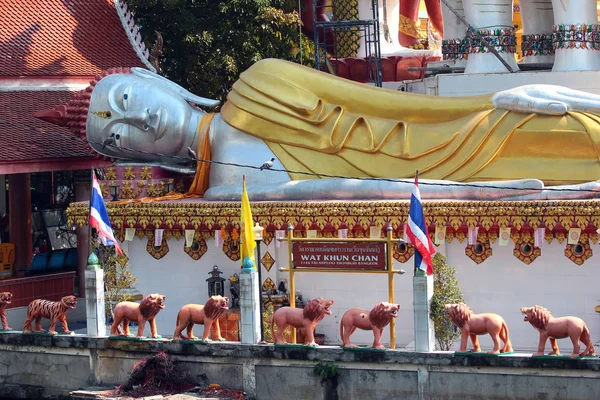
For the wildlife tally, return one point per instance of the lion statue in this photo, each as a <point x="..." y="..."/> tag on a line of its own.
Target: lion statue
<point x="207" y="314"/>
<point x="558" y="328"/>
<point x="308" y="318"/>
<point x="5" y="299"/>
<point x="127" y="311"/>
<point x="55" y="311"/>
<point x="375" y="320"/>
<point x="479" y="324"/>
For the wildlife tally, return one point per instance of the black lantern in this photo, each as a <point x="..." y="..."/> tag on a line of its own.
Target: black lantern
<point x="170" y="185"/>
<point x="114" y="191"/>
<point x="216" y="287"/>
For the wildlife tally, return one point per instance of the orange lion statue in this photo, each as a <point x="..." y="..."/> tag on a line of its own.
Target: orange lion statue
<point x="375" y="320"/>
<point x="308" y="318"/>
<point x="5" y="299"/>
<point x="207" y="314"/>
<point x="472" y="325"/>
<point x="558" y="328"/>
<point x="55" y="311"/>
<point x="147" y="310"/>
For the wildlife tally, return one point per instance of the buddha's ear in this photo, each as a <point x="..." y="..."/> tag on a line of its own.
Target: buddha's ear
<point x="192" y="98"/>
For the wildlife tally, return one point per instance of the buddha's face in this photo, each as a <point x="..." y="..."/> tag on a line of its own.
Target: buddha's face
<point x="129" y="115"/>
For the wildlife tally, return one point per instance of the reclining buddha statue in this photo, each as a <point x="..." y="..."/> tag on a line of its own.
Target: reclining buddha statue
<point x="321" y="130"/>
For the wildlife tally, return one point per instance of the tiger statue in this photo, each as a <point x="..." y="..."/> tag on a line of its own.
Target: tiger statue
<point x="53" y="310"/>
<point x="5" y="299"/>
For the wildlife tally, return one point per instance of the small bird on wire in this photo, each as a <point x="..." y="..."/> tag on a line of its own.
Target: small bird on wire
<point x="192" y="154"/>
<point x="267" y="164"/>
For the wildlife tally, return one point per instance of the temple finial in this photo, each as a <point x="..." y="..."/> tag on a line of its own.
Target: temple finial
<point x="56" y="115"/>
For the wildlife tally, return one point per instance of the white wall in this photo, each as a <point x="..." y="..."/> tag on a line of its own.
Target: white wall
<point x="501" y="284"/>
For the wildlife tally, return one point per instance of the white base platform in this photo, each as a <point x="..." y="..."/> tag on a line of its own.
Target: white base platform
<point x="461" y="84"/>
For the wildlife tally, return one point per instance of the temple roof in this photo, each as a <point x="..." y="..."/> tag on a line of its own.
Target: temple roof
<point x="67" y="38"/>
<point x="29" y="144"/>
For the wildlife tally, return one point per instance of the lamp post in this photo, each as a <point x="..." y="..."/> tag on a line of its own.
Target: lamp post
<point x="114" y="191"/>
<point x="170" y="185"/>
<point x="258" y="237"/>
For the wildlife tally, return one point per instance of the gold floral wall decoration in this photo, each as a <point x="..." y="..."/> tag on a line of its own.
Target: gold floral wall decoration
<point x="110" y="174"/>
<point x="480" y="251"/>
<point x="129" y="173"/>
<point x="198" y="247"/>
<point x="146" y="173"/>
<point x="525" y="250"/>
<point x="156" y="252"/>
<point x="580" y="252"/>
<point x="267" y="261"/>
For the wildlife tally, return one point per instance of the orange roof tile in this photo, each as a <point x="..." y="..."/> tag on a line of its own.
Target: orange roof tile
<point x="67" y="37"/>
<point x="32" y="139"/>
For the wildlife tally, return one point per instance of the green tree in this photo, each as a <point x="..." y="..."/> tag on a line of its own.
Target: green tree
<point x="118" y="279"/>
<point x="446" y="290"/>
<point x="208" y="43"/>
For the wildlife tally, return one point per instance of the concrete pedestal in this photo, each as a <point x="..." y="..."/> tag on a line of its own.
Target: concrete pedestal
<point x="424" y="333"/>
<point x="250" y="307"/>
<point x="94" y="302"/>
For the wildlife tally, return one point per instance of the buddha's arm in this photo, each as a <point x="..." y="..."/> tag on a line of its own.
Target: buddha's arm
<point x="352" y="189"/>
<point x="355" y="189"/>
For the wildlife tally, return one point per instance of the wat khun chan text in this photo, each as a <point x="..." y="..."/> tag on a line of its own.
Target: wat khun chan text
<point x="369" y="256"/>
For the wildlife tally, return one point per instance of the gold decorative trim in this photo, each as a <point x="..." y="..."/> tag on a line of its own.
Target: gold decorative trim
<point x="156" y="252"/>
<point x="586" y="250"/>
<point x="268" y="285"/>
<point x="404" y="256"/>
<point x="198" y="247"/>
<point x="521" y="242"/>
<point x="357" y="217"/>
<point x="409" y="27"/>
<point x="486" y="249"/>
<point x="231" y="248"/>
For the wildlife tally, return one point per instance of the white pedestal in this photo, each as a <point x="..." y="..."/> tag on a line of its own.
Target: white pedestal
<point x="424" y="333"/>
<point x="94" y="303"/>
<point x="249" y="308"/>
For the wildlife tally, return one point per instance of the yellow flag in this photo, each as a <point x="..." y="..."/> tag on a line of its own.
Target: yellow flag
<point x="248" y="243"/>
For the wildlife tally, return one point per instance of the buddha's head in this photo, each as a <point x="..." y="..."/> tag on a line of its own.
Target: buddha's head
<point x="132" y="114"/>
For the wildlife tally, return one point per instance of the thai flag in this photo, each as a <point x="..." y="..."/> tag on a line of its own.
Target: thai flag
<point x="99" y="217"/>
<point x="417" y="232"/>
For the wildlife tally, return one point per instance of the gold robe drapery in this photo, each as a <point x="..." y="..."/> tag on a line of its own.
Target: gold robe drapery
<point x="315" y="122"/>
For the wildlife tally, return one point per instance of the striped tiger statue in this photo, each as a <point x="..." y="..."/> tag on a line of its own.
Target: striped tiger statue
<point x="5" y="300"/>
<point x="53" y="310"/>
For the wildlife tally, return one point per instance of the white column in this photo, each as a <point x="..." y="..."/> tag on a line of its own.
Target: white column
<point x="454" y="32"/>
<point x="575" y="12"/>
<point x="424" y="333"/>
<point x="489" y="15"/>
<point x="538" y="19"/>
<point x="94" y="298"/>
<point x="249" y="307"/>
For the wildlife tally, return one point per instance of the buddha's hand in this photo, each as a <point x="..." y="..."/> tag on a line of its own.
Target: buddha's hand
<point x="546" y="99"/>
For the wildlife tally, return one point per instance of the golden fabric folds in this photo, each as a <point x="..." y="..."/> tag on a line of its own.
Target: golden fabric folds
<point x="201" y="179"/>
<point x="315" y="122"/>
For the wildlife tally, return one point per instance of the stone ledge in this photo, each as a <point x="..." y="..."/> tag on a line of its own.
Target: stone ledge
<point x="299" y="353"/>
